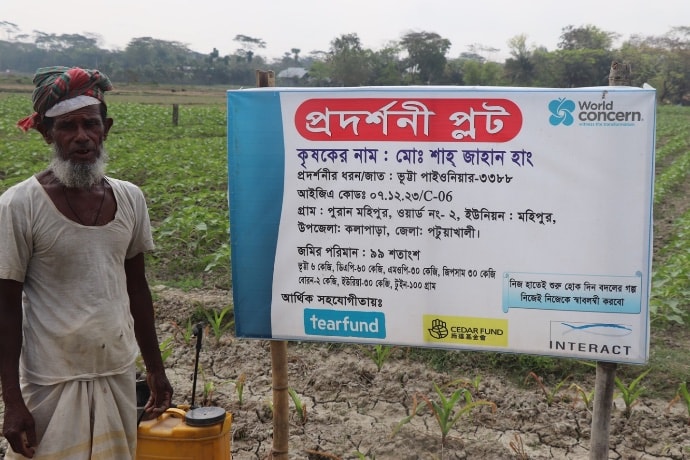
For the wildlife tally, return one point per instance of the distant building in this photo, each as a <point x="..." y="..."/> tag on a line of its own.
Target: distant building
<point x="293" y="72"/>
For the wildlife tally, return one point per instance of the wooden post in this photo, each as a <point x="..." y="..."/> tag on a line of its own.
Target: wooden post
<point x="175" y="114"/>
<point x="604" y="383"/>
<point x="601" y="417"/>
<point x="281" y="405"/>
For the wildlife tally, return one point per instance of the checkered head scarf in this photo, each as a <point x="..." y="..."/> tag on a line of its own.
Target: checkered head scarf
<point x="60" y="90"/>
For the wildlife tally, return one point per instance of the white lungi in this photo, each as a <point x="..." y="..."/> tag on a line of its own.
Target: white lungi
<point x="80" y="419"/>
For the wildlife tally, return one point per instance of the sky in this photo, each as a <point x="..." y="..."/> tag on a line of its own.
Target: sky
<point x="310" y="25"/>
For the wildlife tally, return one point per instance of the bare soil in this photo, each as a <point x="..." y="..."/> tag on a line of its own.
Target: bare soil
<point x="354" y="411"/>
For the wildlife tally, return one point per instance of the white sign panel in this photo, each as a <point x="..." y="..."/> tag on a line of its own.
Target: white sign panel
<point x="502" y="219"/>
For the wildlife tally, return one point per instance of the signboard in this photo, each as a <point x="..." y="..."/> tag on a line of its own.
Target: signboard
<point x="497" y="219"/>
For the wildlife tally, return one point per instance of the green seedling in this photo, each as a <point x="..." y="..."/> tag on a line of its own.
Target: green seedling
<point x="166" y="348"/>
<point x="239" y="387"/>
<point x="447" y="410"/>
<point x="187" y="333"/>
<point x="266" y="412"/>
<point x="209" y="389"/>
<point x="362" y="456"/>
<point x="587" y="396"/>
<point x="215" y="320"/>
<point x="682" y="394"/>
<point x="300" y="407"/>
<point x="473" y="383"/>
<point x="632" y="392"/>
<point x="550" y="395"/>
<point x="379" y="354"/>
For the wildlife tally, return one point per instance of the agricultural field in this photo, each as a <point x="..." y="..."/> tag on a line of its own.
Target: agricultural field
<point x="356" y="402"/>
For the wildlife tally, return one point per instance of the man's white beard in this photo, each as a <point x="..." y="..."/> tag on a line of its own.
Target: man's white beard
<point x="78" y="175"/>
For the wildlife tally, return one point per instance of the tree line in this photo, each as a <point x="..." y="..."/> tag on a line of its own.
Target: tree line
<point x="582" y="58"/>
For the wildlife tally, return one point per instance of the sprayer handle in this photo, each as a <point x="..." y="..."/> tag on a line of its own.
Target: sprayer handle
<point x="198" y="332"/>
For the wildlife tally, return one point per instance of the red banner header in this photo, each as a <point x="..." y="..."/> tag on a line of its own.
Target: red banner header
<point x="419" y="120"/>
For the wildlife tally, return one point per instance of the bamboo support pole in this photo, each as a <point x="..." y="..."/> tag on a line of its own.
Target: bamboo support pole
<point x="281" y="427"/>
<point x="281" y="405"/>
<point x="606" y="372"/>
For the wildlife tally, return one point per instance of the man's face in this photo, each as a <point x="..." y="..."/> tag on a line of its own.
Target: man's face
<point x="77" y="139"/>
<point x="79" y="135"/>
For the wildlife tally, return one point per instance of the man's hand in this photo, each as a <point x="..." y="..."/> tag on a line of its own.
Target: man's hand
<point x="161" y="393"/>
<point x="19" y="429"/>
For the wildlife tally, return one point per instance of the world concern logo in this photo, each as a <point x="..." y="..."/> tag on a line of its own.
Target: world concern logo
<point x="561" y="112"/>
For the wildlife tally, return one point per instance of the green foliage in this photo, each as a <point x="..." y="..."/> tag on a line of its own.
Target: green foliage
<point x="209" y="389"/>
<point x="670" y="290"/>
<point x="187" y="332"/>
<point x="583" y="58"/>
<point x="677" y="172"/>
<point x="379" y="354"/>
<point x="446" y="410"/>
<point x="549" y="394"/>
<point x="586" y="396"/>
<point x="300" y="407"/>
<point x="683" y="394"/>
<point x="183" y="173"/>
<point x="217" y="323"/>
<point x="469" y="383"/>
<point x="426" y="53"/>
<point x="166" y="348"/>
<point x="631" y="392"/>
<point x="239" y="387"/>
<point x="586" y="37"/>
<point x="348" y="64"/>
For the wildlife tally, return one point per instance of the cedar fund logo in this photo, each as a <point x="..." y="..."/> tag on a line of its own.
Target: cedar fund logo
<point x="466" y="330"/>
<point x="438" y="329"/>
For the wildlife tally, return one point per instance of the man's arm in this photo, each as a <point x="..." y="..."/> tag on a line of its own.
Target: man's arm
<point x="18" y="425"/>
<point x="141" y="307"/>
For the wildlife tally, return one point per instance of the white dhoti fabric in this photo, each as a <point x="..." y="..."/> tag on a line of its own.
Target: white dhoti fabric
<point x="84" y="419"/>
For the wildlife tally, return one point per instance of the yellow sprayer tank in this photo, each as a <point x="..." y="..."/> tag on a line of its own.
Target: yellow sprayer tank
<point x="178" y="434"/>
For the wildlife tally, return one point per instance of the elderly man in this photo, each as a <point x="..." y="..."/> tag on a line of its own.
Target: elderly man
<point x="74" y="300"/>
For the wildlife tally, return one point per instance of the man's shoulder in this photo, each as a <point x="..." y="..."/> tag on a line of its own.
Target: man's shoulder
<point x="126" y="189"/>
<point x="28" y="183"/>
<point x="21" y="189"/>
<point x="121" y="183"/>
<point x="124" y="186"/>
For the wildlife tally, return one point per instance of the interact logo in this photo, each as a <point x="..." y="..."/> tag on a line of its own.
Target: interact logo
<point x="339" y="323"/>
<point x="601" y="329"/>
<point x="561" y="112"/>
<point x="577" y="339"/>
